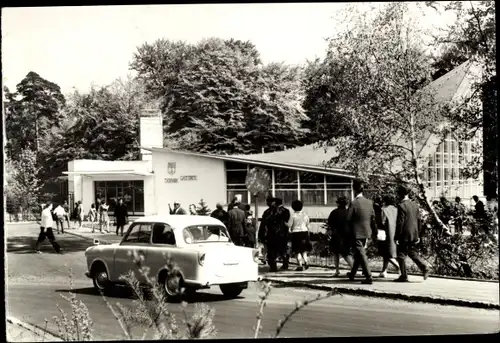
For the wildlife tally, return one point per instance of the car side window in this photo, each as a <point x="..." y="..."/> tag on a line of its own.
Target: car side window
<point x="133" y="234"/>
<point x="163" y="234"/>
<point x="145" y="233"/>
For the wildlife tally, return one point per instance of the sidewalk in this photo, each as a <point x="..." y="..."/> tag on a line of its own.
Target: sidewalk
<point x="18" y="331"/>
<point x="466" y="293"/>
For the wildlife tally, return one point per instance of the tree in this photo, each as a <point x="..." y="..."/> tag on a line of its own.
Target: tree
<point x="202" y="209"/>
<point x="24" y="185"/>
<point x="216" y="95"/>
<point x="30" y="112"/>
<point x="381" y="64"/>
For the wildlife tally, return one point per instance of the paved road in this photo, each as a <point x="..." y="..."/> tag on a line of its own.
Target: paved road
<point x="35" y="283"/>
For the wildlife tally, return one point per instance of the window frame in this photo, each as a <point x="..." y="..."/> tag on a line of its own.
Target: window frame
<point x="132" y="227"/>
<point x="167" y="226"/>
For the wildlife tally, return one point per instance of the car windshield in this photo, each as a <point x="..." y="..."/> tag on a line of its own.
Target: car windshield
<point x="205" y="233"/>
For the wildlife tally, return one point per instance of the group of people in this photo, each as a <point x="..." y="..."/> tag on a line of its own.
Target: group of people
<point x="99" y="215"/>
<point x="239" y="221"/>
<point x="396" y="230"/>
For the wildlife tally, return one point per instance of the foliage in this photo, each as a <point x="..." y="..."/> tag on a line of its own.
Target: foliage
<point x="202" y="209"/>
<point x="381" y="68"/>
<point x="30" y="112"/>
<point x="77" y="327"/>
<point x="23" y="183"/>
<point x="217" y="96"/>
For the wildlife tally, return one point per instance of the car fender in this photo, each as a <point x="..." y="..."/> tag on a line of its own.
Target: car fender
<point x="97" y="259"/>
<point x="163" y="269"/>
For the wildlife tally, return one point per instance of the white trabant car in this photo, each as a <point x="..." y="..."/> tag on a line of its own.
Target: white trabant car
<point x="199" y="246"/>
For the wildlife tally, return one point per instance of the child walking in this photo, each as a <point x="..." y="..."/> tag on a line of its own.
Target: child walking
<point x="299" y="229"/>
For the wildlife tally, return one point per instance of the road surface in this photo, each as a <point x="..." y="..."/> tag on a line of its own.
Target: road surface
<point x="35" y="283"/>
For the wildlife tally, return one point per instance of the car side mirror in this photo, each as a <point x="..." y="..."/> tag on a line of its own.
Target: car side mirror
<point x="96" y="241"/>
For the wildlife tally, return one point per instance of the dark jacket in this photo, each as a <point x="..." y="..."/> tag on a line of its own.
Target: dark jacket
<point x="221" y="215"/>
<point x="121" y="214"/>
<point x="263" y="224"/>
<point x="480" y="212"/>
<point x="276" y="223"/>
<point x="236" y="222"/>
<point x="408" y="222"/>
<point x="361" y="218"/>
<point x="241" y="206"/>
<point x="179" y="211"/>
<point x="337" y="221"/>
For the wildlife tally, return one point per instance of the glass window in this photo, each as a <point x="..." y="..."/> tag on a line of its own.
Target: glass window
<point x="438" y="159"/>
<point x="332" y="179"/>
<point x="312" y="197"/>
<point x="311" y="178"/>
<point x="145" y="233"/>
<point x="241" y="188"/>
<point x="446" y="174"/>
<point x="445" y="146"/>
<point x="287" y="196"/>
<point x="205" y="233"/>
<point x="282" y="176"/>
<point x="242" y="193"/>
<point x="454" y="159"/>
<point x="453" y="147"/>
<point x="163" y="234"/>
<point x="333" y="194"/>
<point x="139" y="197"/>
<point x="438" y="174"/>
<point x="440" y="147"/>
<point x="236" y="177"/>
<point x="132" y="236"/>
<point x="446" y="159"/>
<point x="235" y="166"/>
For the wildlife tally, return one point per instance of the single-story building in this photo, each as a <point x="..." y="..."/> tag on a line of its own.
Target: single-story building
<point x="164" y="176"/>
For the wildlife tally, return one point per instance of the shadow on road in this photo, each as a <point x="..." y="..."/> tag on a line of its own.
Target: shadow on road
<point x="26" y="244"/>
<point x="127" y="293"/>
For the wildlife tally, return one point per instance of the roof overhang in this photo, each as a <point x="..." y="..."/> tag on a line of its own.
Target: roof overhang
<point x="108" y="173"/>
<point x="261" y="163"/>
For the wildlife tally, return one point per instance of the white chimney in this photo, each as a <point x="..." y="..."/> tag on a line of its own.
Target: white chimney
<point x="150" y="131"/>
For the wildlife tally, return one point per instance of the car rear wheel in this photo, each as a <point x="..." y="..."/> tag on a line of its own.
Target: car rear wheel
<point x="171" y="285"/>
<point x="231" y="290"/>
<point x="100" y="279"/>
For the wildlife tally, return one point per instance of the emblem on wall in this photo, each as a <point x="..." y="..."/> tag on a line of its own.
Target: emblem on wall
<point x="171" y="168"/>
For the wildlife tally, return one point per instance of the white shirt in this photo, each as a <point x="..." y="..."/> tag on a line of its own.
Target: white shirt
<point x="47" y="218"/>
<point x="59" y="211"/>
<point x="299" y="222"/>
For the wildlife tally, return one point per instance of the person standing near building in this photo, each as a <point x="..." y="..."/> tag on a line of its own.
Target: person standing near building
<point x="59" y="216"/>
<point x="104" y="216"/>
<point x="340" y="238"/>
<point x="78" y="214"/>
<point x="237" y="222"/>
<point x="387" y="245"/>
<point x="361" y="222"/>
<point x="250" y="233"/>
<point x="408" y="225"/>
<point x="458" y="215"/>
<point x="479" y="214"/>
<point x="263" y="227"/>
<point x="93" y="217"/>
<point x="178" y="210"/>
<point x="277" y="235"/>
<point x="67" y="211"/>
<point x="121" y="216"/>
<point x="220" y="214"/>
<point x="47" y="224"/>
<point x="299" y="230"/>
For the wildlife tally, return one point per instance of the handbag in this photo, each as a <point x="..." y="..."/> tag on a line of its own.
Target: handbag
<point x="381" y="235"/>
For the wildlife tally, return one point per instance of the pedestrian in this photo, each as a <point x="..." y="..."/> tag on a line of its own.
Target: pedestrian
<point x="121" y="216"/>
<point x="220" y="214"/>
<point x="250" y="232"/>
<point x="178" y="210"/>
<point x="479" y="215"/>
<point x="59" y="218"/>
<point x="93" y="217"/>
<point x="340" y="238"/>
<point x="385" y="237"/>
<point x="192" y="210"/>
<point x="277" y="235"/>
<point x="78" y="214"/>
<point x="458" y="215"/>
<point x="362" y="225"/>
<point x="104" y="217"/>
<point x="47" y="224"/>
<point x="67" y="211"/>
<point x="236" y="202"/>
<point x="299" y="233"/>
<point x="262" y="232"/>
<point x="408" y="228"/>
<point x="237" y="222"/>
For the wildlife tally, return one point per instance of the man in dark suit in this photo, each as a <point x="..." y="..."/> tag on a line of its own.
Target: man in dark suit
<point x="236" y="224"/>
<point x="407" y="235"/>
<point x="263" y="227"/>
<point x="361" y="224"/>
<point x="220" y="214"/>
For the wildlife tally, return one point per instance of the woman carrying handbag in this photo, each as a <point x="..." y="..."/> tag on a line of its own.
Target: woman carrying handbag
<point x="299" y="229"/>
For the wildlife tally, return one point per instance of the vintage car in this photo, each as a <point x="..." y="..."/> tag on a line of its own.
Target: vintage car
<point x="199" y="246"/>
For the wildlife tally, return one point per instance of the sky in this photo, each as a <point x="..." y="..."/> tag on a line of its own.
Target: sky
<point x="79" y="46"/>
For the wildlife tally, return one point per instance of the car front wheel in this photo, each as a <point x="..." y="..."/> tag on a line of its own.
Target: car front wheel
<point x="100" y="279"/>
<point x="231" y="290"/>
<point x="170" y="284"/>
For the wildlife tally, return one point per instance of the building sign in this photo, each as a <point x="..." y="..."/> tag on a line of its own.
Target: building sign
<point x="182" y="178"/>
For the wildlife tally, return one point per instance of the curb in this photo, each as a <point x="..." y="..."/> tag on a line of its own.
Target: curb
<point x="87" y="238"/>
<point x="391" y="295"/>
<point x="430" y="275"/>
<point x="49" y="336"/>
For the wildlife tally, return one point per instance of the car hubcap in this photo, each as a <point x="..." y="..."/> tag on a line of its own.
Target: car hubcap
<point x="172" y="285"/>
<point x="101" y="279"/>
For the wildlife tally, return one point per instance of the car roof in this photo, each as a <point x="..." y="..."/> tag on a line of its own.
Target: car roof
<point x="180" y="221"/>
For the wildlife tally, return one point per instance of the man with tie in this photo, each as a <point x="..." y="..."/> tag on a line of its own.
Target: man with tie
<point x="361" y="224"/>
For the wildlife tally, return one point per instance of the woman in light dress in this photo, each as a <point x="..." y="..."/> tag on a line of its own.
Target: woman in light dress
<point x="104" y="216"/>
<point x="92" y="216"/>
<point x="299" y="229"/>
<point x="386" y="243"/>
